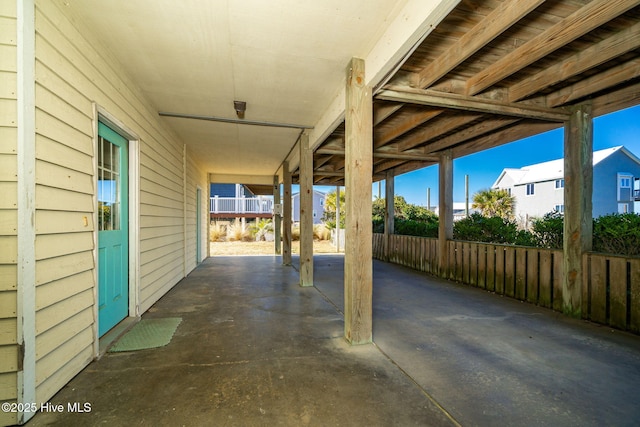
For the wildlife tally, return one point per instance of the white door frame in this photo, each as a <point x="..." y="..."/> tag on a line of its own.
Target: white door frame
<point x="103" y="115"/>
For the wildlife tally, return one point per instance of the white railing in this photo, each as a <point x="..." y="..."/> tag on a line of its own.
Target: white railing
<point x="241" y="205"/>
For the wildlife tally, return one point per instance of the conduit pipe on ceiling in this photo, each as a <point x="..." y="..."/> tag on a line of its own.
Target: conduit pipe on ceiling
<point x="234" y="121"/>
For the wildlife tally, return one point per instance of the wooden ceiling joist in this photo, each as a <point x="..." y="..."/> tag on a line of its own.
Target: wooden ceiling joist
<point x="493" y="72"/>
<point x="467" y="103"/>
<point x="587" y="18"/>
<point x="501" y="18"/>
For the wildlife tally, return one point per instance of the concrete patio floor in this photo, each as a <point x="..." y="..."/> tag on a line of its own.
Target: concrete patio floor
<point x="255" y="349"/>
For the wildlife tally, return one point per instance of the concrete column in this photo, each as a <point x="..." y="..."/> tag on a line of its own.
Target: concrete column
<point x="358" y="266"/>
<point x="445" y="210"/>
<point x="306" y="212"/>
<point x="286" y="214"/>
<point x="277" y="217"/>
<point x="578" y="207"/>
<point x="389" y="213"/>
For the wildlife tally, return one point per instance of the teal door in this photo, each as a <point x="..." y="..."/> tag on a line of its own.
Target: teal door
<point x="113" y="229"/>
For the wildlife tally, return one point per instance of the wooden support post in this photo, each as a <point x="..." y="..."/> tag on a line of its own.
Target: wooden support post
<point x="277" y="216"/>
<point x="578" y="212"/>
<point x="358" y="264"/>
<point x="389" y="213"/>
<point x="306" y="211"/>
<point x="445" y="210"/>
<point x="338" y="218"/>
<point x="286" y="214"/>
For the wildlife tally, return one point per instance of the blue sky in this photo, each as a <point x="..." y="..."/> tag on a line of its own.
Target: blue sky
<point x="620" y="128"/>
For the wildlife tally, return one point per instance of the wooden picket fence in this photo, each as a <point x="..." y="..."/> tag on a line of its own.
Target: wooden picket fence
<point x="611" y="288"/>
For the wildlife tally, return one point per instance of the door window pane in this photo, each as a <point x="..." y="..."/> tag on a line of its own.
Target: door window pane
<point x="108" y="185"/>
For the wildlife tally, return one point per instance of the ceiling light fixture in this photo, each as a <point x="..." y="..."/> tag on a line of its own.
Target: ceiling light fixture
<point x="240" y="107"/>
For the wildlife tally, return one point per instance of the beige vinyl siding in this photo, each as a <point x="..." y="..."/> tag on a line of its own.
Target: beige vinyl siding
<point x="72" y="73"/>
<point x="64" y="224"/>
<point x="8" y="209"/>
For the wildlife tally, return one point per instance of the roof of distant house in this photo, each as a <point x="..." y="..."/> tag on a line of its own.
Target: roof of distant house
<point x="554" y="169"/>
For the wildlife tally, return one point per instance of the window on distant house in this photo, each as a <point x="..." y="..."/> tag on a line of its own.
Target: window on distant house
<point x="624" y="187"/>
<point x="559" y="183"/>
<point x="623" y="208"/>
<point x="530" y="189"/>
<point x="559" y="208"/>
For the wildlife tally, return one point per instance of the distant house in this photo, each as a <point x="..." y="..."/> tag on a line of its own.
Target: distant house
<point x="539" y="188"/>
<point x="318" y="206"/>
<point x="459" y="210"/>
<point x="229" y="201"/>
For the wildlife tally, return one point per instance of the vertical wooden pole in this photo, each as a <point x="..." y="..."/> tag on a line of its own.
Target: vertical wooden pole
<point x="286" y="214"/>
<point x="466" y="195"/>
<point x="358" y="265"/>
<point x="389" y="213"/>
<point x="306" y="212"/>
<point x="338" y="218"/>
<point x="277" y="216"/>
<point x="445" y="210"/>
<point x="578" y="191"/>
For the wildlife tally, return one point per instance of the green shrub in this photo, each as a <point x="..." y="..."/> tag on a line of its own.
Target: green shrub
<point x="378" y="225"/>
<point x="478" y="228"/>
<point x="617" y="234"/>
<point x="548" y="231"/>
<point x="410" y="227"/>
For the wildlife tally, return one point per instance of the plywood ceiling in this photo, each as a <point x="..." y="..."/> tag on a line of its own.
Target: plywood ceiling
<point x="285" y="58"/>
<point x="488" y="73"/>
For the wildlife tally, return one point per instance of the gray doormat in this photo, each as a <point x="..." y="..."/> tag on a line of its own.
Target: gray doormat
<point x="148" y="333"/>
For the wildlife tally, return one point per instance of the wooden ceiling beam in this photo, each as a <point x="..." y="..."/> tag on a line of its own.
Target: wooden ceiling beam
<point x="421" y="136"/>
<point x="328" y="174"/>
<point x="500" y="19"/>
<point x="417" y="155"/>
<point x="579" y="23"/>
<point x="599" y="53"/>
<point x="618" y="100"/>
<point x="599" y="82"/>
<point x="485" y="127"/>
<point x="411" y="166"/>
<point x="383" y="112"/>
<point x="502" y="137"/>
<point x="468" y="103"/>
<point x="383" y="137"/>
<point x="387" y="165"/>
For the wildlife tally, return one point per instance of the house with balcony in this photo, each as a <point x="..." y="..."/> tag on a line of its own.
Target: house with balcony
<point x="232" y="201"/>
<point x="539" y="188"/>
<point x="318" y="206"/>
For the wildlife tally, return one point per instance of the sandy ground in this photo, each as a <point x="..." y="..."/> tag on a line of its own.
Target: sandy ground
<point x="264" y="248"/>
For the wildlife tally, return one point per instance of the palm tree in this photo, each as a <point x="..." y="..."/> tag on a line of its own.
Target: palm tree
<point x="329" y="215"/>
<point x="261" y="227"/>
<point x="495" y="202"/>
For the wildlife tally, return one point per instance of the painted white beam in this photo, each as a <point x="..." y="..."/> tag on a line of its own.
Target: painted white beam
<point x="242" y="179"/>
